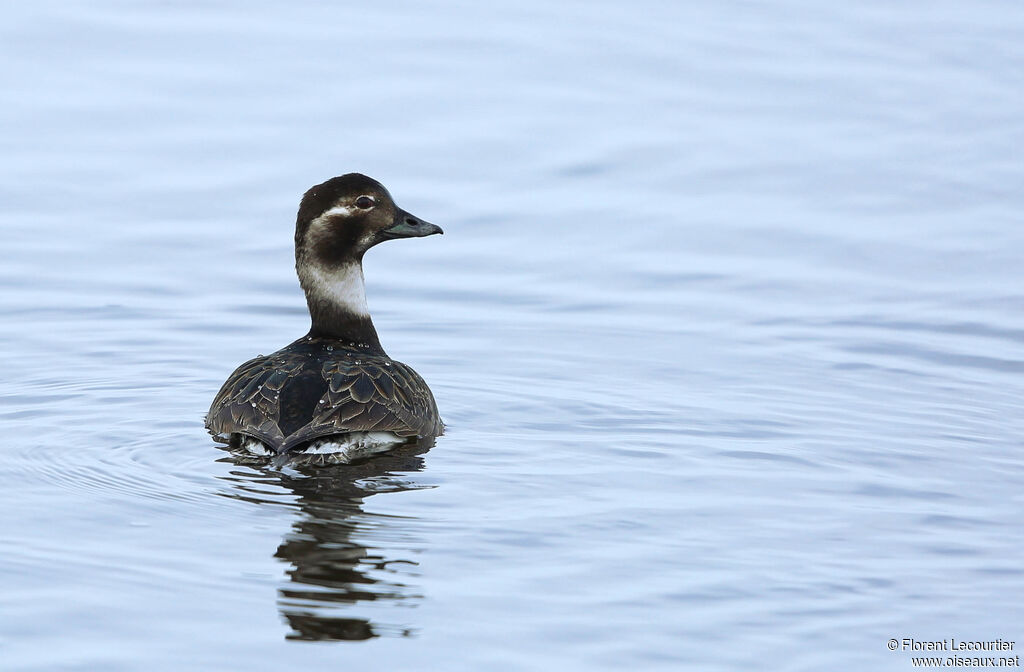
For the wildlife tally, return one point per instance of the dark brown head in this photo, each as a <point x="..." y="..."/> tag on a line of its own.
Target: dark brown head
<point x="338" y="222"/>
<point x="342" y="218"/>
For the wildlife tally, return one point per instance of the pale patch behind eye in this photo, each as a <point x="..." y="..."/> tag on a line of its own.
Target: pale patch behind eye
<point x="320" y="228"/>
<point x="345" y="210"/>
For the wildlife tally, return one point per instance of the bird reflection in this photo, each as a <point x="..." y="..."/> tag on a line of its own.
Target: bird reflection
<point x="331" y="573"/>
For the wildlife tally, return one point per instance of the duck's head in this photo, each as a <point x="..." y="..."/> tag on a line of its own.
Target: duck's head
<point x="338" y="222"/>
<point x="342" y="218"/>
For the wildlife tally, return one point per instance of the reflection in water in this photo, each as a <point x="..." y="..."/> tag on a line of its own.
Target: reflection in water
<point x="331" y="572"/>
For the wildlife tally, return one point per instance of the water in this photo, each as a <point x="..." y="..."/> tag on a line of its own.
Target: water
<point x="726" y="328"/>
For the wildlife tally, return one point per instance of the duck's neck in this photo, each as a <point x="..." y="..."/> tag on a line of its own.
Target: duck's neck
<point x="336" y="296"/>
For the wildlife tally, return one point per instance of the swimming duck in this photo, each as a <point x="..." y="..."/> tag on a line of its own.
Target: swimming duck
<point x="334" y="392"/>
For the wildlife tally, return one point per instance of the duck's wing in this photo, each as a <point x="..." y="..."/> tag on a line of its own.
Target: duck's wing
<point x="371" y="396"/>
<point x="249" y="401"/>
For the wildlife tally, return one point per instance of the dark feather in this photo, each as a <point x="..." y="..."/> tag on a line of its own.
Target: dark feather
<point x="319" y="387"/>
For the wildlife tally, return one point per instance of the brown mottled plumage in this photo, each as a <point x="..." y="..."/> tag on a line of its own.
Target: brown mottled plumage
<point x="337" y="380"/>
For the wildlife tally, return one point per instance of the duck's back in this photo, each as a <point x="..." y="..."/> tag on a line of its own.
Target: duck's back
<point x="320" y="387"/>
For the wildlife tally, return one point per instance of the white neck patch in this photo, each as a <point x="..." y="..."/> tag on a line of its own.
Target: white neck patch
<point x="342" y="286"/>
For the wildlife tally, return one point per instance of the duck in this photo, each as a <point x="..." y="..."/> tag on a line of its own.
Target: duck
<point x="334" y="395"/>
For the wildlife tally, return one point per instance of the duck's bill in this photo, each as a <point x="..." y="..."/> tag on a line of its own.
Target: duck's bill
<point x="408" y="226"/>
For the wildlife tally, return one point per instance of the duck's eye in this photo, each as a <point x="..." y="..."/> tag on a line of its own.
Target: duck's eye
<point x="365" y="202"/>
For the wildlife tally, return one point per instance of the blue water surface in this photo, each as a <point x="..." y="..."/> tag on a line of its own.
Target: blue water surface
<point x="727" y="328"/>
